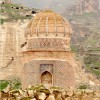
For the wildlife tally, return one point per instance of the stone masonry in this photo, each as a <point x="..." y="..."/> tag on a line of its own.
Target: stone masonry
<point x="47" y="55"/>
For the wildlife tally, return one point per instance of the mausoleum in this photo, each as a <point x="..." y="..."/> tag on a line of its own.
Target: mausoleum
<point x="47" y="56"/>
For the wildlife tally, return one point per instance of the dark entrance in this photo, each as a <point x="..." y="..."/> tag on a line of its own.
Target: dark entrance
<point x="46" y="78"/>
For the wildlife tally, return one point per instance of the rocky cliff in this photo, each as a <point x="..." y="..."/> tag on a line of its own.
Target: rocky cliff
<point x="87" y="6"/>
<point x="12" y="37"/>
<point x="86" y="39"/>
<point x="14" y="19"/>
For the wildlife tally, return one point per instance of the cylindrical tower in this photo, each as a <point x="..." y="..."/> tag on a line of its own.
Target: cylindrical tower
<point x="47" y="57"/>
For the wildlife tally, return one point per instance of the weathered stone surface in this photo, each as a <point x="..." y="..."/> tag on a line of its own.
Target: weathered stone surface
<point x="11" y="38"/>
<point x="87" y="6"/>
<point x="59" y="97"/>
<point x="33" y="99"/>
<point x="7" y="89"/>
<point x="68" y="98"/>
<point x="63" y="94"/>
<point x="89" y="91"/>
<point x="70" y="93"/>
<point x="42" y="96"/>
<point x="77" y="92"/>
<point x="30" y="93"/>
<point x="51" y="97"/>
<point x="97" y="93"/>
<point x="96" y="98"/>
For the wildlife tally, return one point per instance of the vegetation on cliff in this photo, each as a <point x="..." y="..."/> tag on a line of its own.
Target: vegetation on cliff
<point x="10" y="11"/>
<point x="86" y="39"/>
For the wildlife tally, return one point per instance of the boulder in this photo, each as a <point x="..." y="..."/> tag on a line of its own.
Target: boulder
<point x="42" y="96"/>
<point x="97" y="93"/>
<point x="70" y="93"/>
<point x="30" y="93"/>
<point x="7" y="89"/>
<point x="59" y="97"/>
<point x="64" y="94"/>
<point x="51" y="97"/>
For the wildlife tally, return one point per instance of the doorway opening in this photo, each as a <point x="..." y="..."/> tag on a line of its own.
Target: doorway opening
<point x="46" y="78"/>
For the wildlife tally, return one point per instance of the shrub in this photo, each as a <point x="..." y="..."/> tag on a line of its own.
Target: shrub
<point x="14" y="84"/>
<point x="3" y="84"/>
<point x="82" y="86"/>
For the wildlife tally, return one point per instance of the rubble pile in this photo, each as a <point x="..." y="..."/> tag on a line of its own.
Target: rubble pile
<point x="54" y="93"/>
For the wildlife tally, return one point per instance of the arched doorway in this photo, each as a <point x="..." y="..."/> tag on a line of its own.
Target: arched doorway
<point x="46" y="78"/>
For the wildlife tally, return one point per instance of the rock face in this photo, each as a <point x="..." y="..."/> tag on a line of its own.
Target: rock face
<point x="7" y="1"/>
<point x="11" y="38"/>
<point x="87" y="6"/>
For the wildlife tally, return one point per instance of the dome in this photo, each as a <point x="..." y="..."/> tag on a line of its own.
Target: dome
<point x="48" y="31"/>
<point x="48" y="24"/>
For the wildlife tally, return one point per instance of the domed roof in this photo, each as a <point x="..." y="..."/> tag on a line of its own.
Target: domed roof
<point x="49" y="24"/>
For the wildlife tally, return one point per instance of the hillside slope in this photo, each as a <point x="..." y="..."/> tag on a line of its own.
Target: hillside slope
<point x="10" y="12"/>
<point x="86" y="39"/>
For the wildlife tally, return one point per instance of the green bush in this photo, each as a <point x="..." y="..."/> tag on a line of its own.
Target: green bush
<point x="14" y="84"/>
<point x="83" y="86"/>
<point x="3" y="84"/>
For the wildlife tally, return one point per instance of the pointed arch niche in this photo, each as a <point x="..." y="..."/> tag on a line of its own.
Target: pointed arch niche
<point x="46" y="74"/>
<point x="46" y="78"/>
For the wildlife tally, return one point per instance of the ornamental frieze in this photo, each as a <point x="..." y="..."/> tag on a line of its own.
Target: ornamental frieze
<point x="47" y="44"/>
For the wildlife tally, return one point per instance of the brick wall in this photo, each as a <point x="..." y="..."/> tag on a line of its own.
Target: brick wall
<point x="62" y="73"/>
